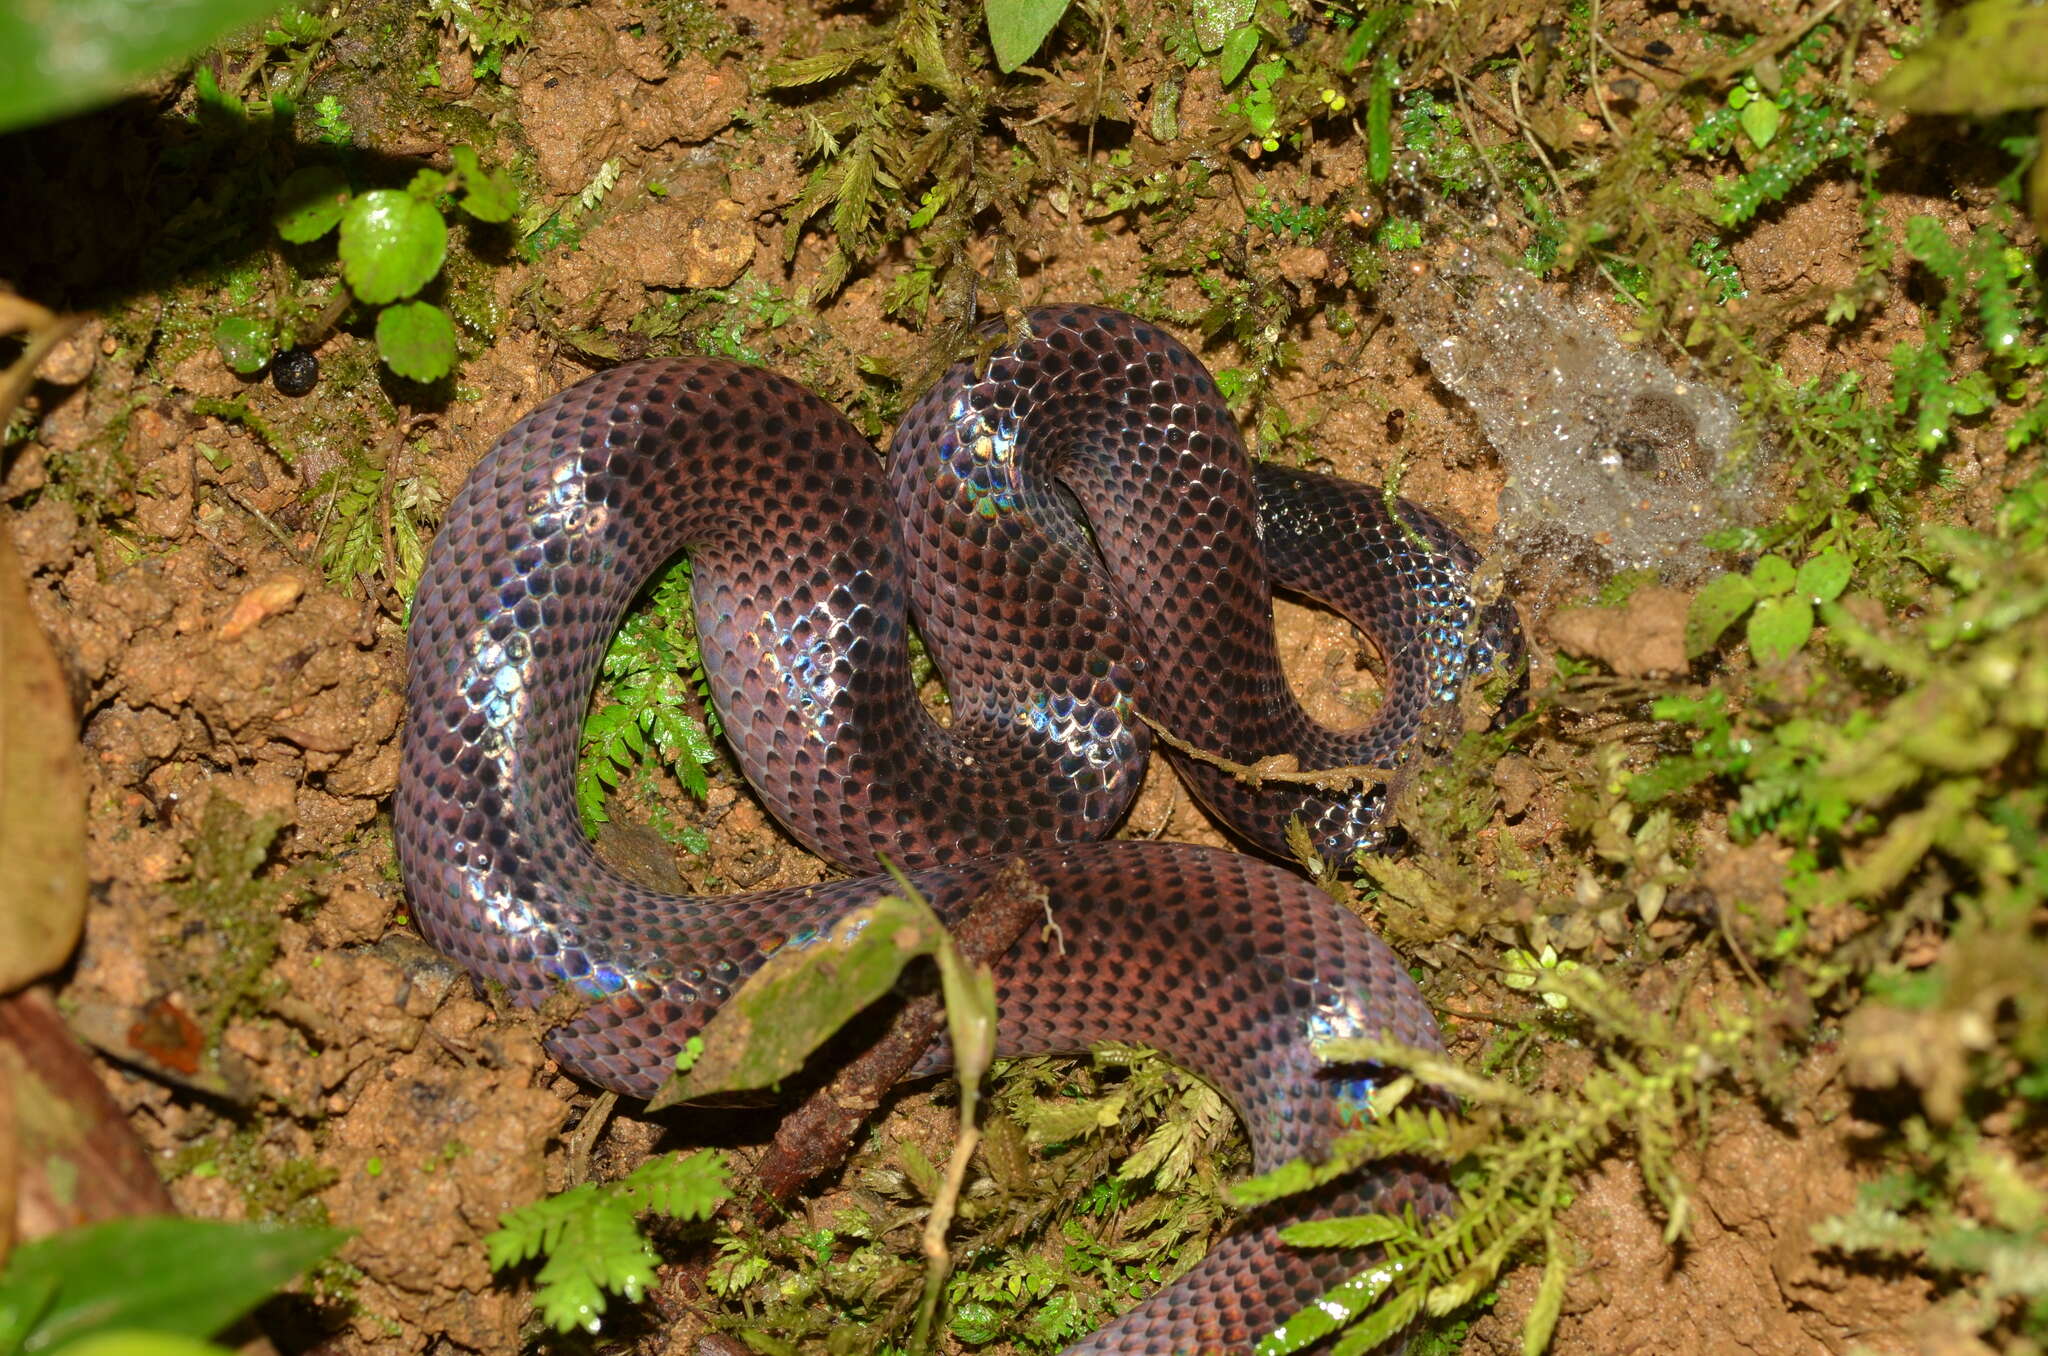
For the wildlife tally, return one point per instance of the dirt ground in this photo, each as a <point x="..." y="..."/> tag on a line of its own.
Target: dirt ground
<point x="212" y="661"/>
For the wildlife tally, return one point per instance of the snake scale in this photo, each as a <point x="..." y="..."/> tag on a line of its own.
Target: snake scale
<point x="1053" y="634"/>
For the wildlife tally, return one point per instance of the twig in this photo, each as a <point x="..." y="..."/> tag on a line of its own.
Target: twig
<point x="1273" y="769"/>
<point x="1529" y="133"/>
<point x="1593" y="72"/>
<point x="817" y="1137"/>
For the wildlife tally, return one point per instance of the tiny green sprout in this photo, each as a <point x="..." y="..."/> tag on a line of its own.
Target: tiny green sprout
<point x="687" y="1057"/>
<point x="1524" y="970"/>
<point x="392" y="245"/>
<point x="373" y="1167"/>
<point x="1334" y="101"/>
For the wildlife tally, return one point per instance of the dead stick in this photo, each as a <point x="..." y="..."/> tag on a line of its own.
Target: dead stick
<point x="818" y="1136"/>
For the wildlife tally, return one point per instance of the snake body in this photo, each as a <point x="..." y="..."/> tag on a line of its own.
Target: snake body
<point x="1053" y="636"/>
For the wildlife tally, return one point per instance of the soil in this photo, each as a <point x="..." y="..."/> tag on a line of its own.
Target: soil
<point x="213" y="661"/>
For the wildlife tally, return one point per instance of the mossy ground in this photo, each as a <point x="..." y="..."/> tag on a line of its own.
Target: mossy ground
<point x="1777" y="908"/>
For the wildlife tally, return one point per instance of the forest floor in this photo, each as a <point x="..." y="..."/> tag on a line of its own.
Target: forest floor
<point x="224" y="570"/>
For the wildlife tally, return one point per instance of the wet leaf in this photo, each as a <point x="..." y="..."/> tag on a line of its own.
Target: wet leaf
<point x="392" y="245"/>
<point x="416" y="340"/>
<point x="1779" y="628"/>
<point x="244" y="344"/>
<point x="177" y="1277"/>
<point x="1985" y="58"/>
<point x="1218" y="20"/>
<point x="1017" y="28"/>
<point x="1714" y="609"/>
<point x="1343" y="1303"/>
<point x="42" y="792"/>
<point x="802" y="996"/>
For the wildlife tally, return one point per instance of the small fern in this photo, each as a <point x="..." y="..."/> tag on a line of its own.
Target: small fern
<point x="1964" y="1210"/>
<point x="1517" y="1154"/>
<point x="648" y="708"/>
<point x="376" y="525"/>
<point x="592" y="1239"/>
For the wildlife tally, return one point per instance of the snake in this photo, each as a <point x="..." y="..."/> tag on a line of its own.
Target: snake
<point x="1063" y="638"/>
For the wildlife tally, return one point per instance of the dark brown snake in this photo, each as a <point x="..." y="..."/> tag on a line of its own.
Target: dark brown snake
<point x="1052" y="637"/>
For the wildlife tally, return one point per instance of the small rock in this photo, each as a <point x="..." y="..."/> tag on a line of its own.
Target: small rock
<point x="350" y="917"/>
<point x="71" y="361"/>
<point x="274" y="595"/>
<point x="1643" y="639"/>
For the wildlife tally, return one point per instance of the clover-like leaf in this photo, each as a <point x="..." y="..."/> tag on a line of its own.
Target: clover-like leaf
<point x="1714" y="609"/>
<point x="310" y="203"/>
<point x="244" y="344"/>
<point x="392" y="244"/>
<point x="1779" y="628"/>
<point x="416" y="340"/>
<point x="1822" y="579"/>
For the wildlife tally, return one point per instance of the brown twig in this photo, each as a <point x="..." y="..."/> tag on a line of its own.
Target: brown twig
<point x="1274" y="769"/>
<point x="818" y="1136"/>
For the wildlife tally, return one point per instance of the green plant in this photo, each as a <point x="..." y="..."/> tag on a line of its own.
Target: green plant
<point x="392" y="244"/>
<point x="647" y="706"/>
<point x="375" y="524"/>
<point x="1778" y="600"/>
<point x="55" y="61"/>
<point x="489" y="28"/>
<point x="1514" y="1156"/>
<point x="159" y="1285"/>
<point x="1964" y="1210"/>
<point x="592" y="1238"/>
<point x="331" y="123"/>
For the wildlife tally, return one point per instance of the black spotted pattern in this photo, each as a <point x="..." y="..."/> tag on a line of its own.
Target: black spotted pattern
<point x="1050" y="635"/>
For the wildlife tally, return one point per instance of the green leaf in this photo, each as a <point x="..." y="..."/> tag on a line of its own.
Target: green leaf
<point x="135" y="1342"/>
<point x="1016" y="28"/>
<point x="1760" y="119"/>
<point x="245" y="344"/>
<point x="392" y="244"/>
<point x="1714" y="609"/>
<point x="1822" y="579"/>
<point x="60" y="58"/>
<point x="416" y="339"/>
<point x="1779" y="628"/>
<point x="311" y="203"/>
<point x="1360" y="1231"/>
<point x="1238" y="52"/>
<point x="802" y="995"/>
<point x="1382" y="1325"/>
<point x="1549" y="1302"/>
<point x="1379" y="124"/>
<point x="1343" y="1303"/>
<point x="487" y="195"/>
<point x="1985" y="58"/>
<point x="1238" y="49"/>
<point x="1771" y="575"/>
<point x="183" y="1277"/>
<point x="1219" y="20"/>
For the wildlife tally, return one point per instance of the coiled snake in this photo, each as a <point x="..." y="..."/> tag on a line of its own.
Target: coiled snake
<point x="1053" y="637"/>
